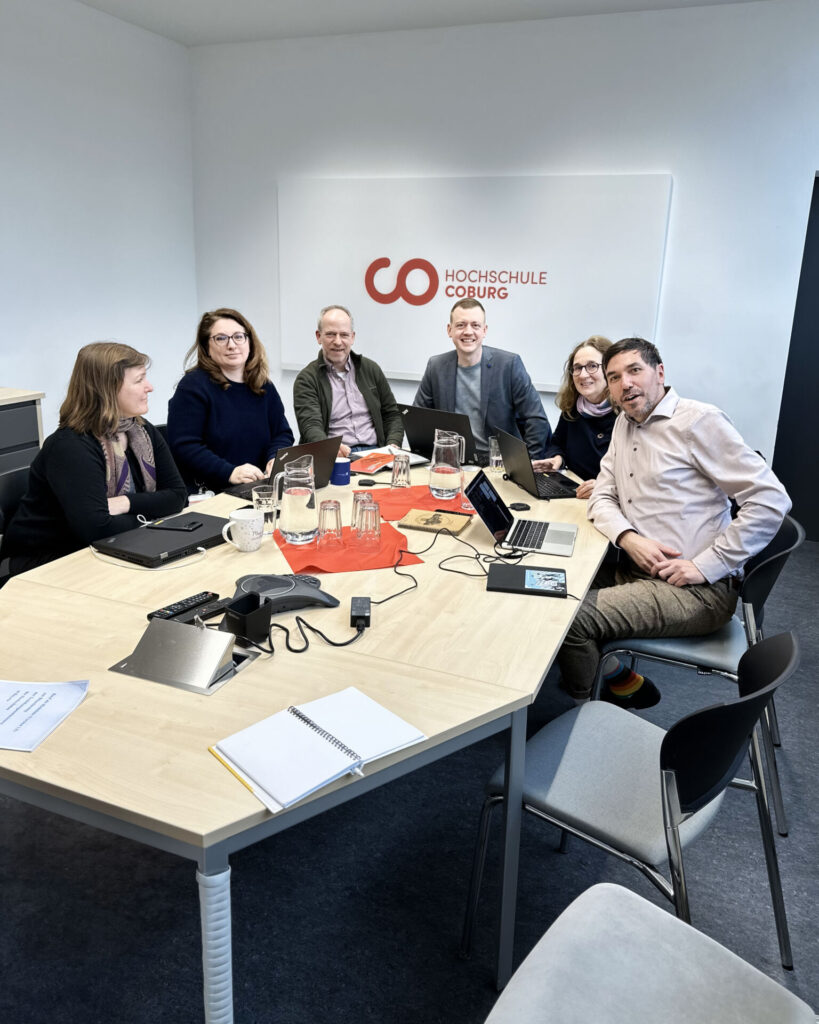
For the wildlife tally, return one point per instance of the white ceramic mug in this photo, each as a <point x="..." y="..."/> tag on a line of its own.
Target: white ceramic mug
<point x="245" y="528"/>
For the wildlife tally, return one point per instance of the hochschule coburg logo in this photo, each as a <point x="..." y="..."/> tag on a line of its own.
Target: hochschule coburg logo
<point x="459" y="283"/>
<point x="401" y="291"/>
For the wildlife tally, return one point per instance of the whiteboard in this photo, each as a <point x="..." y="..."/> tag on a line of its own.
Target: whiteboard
<point x="553" y="259"/>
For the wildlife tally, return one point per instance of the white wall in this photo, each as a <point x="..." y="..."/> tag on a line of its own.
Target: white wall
<point x="97" y="211"/>
<point x="722" y="98"/>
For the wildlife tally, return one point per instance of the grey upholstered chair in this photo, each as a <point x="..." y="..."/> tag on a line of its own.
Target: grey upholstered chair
<point x="627" y="787"/>
<point x="719" y="653"/>
<point x="614" y="958"/>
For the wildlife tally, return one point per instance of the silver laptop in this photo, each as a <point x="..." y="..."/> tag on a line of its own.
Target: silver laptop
<point x="520" y="534"/>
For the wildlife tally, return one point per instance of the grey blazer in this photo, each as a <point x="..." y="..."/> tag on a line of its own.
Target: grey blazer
<point x="509" y="400"/>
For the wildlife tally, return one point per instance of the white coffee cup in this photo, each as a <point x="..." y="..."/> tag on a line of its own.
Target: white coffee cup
<point x="245" y="529"/>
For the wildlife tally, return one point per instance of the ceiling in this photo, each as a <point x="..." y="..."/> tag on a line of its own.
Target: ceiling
<point x="201" y="22"/>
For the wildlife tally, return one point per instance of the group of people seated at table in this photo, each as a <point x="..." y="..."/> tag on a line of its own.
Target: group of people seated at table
<point x="661" y="472"/>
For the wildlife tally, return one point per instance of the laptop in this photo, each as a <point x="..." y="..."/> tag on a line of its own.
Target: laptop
<point x="517" y="464"/>
<point x="164" y="541"/>
<point x="521" y="534"/>
<point x="324" y="458"/>
<point x="420" y="425"/>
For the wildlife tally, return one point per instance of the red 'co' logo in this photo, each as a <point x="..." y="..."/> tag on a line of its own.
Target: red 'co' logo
<point x="401" y="291"/>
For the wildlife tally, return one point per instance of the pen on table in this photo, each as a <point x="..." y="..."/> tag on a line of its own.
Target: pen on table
<point x="452" y="512"/>
<point x="232" y="771"/>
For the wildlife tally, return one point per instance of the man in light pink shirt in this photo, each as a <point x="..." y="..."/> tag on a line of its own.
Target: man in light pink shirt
<point x="344" y="393"/>
<point x="664" y="498"/>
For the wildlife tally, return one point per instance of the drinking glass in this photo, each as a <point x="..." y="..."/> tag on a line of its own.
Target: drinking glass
<point x="495" y="458"/>
<point x="466" y="504"/>
<point x="264" y="498"/>
<point x="359" y="498"/>
<point x="401" y="470"/>
<point x="329" y="527"/>
<point x="368" y="527"/>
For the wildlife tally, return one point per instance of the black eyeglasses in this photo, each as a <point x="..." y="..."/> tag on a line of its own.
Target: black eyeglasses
<point x="590" y="368"/>
<point x="239" y="338"/>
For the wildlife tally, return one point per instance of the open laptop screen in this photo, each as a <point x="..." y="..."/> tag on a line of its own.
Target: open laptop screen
<point x="421" y="423"/>
<point x="490" y="506"/>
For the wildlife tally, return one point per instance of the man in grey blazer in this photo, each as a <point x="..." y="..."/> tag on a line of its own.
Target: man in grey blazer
<point x="490" y="385"/>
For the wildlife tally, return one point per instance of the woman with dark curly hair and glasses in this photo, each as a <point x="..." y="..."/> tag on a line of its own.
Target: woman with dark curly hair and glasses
<point x="582" y="435"/>
<point x="104" y="468"/>
<point x="225" y="420"/>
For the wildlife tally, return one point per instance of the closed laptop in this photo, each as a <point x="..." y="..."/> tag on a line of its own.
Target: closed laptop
<point x="173" y="538"/>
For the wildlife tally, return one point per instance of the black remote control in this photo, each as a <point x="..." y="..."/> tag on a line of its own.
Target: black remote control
<point x="185" y="605"/>
<point x="204" y="611"/>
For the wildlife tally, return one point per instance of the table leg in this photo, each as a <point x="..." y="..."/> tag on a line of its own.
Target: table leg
<point x="217" y="962"/>
<point x="512" y="812"/>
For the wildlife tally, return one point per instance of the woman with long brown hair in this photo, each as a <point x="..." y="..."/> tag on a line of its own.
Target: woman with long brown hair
<point x="226" y="420"/>
<point x="102" y="469"/>
<point x="582" y="435"/>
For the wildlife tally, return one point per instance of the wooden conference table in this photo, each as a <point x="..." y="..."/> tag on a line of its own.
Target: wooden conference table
<point x="455" y="661"/>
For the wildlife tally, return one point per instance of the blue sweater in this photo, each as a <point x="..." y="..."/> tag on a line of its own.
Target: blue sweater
<point x="582" y="442"/>
<point x="211" y="430"/>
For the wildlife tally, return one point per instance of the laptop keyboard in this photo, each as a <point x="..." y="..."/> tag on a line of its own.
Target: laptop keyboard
<point x="527" y="534"/>
<point x="245" y="491"/>
<point x="549" y="487"/>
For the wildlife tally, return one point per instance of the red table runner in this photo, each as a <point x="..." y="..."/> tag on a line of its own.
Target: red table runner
<point x="349" y="557"/>
<point x="395" y="503"/>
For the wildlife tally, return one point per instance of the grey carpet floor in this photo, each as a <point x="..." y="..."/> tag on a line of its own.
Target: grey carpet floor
<point x="355" y="916"/>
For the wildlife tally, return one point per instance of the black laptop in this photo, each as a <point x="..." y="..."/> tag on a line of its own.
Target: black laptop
<point x="324" y="458"/>
<point x="517" y="464"/>
<point x="164" y="541"/>
<point x="420" y="425"/>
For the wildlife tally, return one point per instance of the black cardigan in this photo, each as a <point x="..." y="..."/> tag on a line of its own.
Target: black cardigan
<point x="66" y="504"/>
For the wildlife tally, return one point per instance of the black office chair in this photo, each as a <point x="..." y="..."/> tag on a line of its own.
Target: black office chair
<point x="719" y="653"/>
<point x="593" y="772"/>
<point x="13" y="484"/>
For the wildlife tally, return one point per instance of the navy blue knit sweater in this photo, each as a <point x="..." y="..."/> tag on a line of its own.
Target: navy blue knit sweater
<point x="211" y="430"/>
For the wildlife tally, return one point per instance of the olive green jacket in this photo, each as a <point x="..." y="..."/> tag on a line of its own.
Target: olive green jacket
<point x="312" y="400"/>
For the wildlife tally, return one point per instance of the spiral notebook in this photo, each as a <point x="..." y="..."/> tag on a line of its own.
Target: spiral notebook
<point x="289" y="755"/>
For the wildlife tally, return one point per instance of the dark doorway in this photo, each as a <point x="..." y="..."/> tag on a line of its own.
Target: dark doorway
<point x="796" y="454"/>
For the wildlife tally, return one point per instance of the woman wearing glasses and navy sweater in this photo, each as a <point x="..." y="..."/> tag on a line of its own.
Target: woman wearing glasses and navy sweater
<point x="582" y="435"/>
<point x="225" y="420"/>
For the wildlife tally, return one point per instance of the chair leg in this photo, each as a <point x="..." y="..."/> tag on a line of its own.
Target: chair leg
<point x="598" y="680"/>
<point x="773" y="722"/>
<point x="774" y="880"/>
<point x="773" y="775"/>
<point x="671" y="817"/>
<point x="597" y="686"/>
<point x="476" y="878"/>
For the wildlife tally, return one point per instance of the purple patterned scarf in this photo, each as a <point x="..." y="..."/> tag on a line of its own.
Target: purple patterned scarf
<point x="587" y="408"/>
<point x="117" y="470"/>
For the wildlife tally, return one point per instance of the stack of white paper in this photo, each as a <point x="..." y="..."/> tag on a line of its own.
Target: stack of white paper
<point x="30" y="711"/>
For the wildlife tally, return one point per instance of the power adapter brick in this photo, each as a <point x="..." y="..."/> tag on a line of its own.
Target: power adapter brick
<point x="359" y="612"/>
